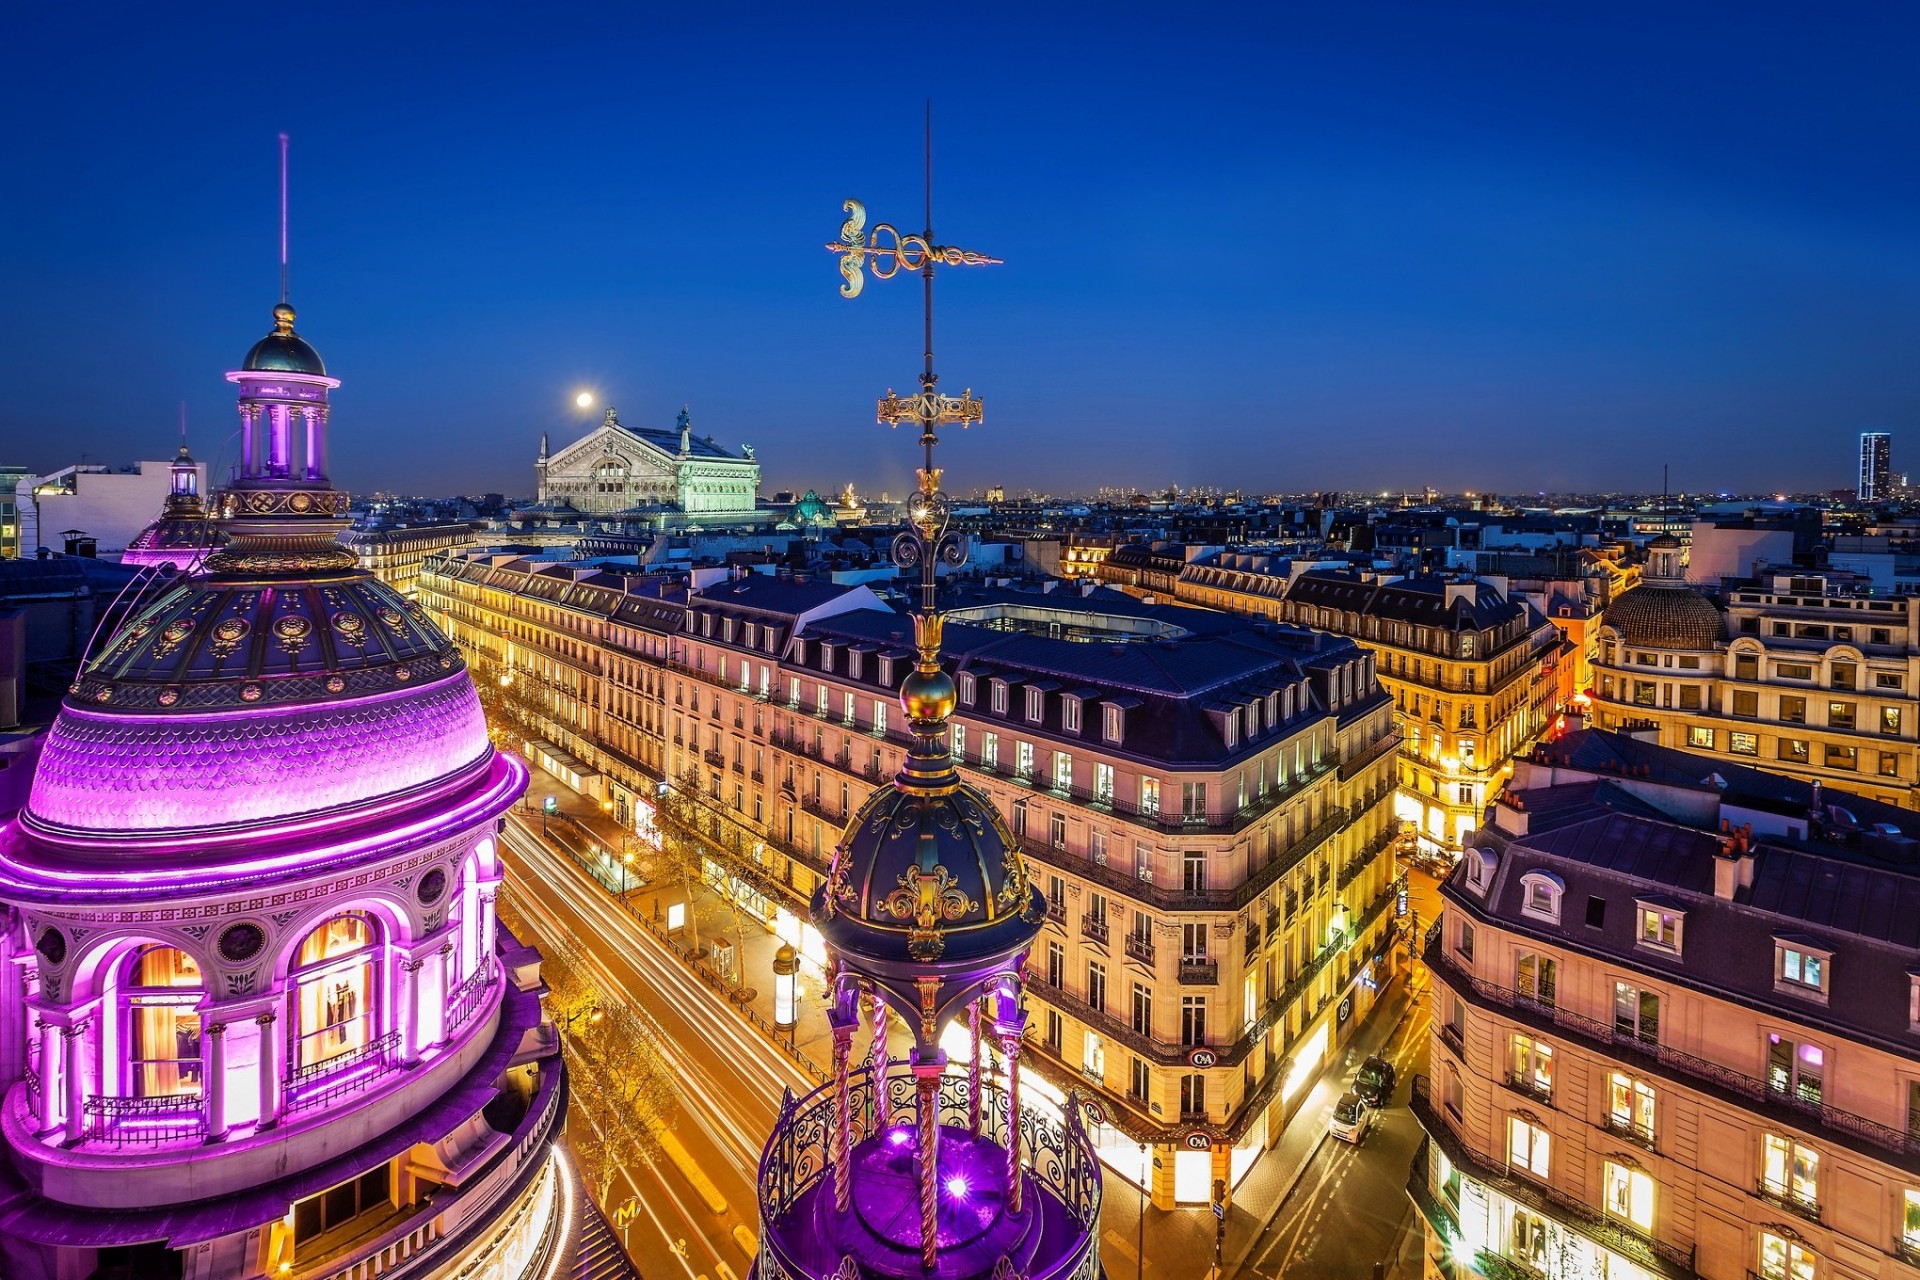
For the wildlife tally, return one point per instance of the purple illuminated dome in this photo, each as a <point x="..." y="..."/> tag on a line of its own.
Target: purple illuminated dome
<point x="262" y="1020"/>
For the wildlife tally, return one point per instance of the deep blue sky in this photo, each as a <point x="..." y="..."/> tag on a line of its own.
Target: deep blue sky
<point x="1528" y="246"/>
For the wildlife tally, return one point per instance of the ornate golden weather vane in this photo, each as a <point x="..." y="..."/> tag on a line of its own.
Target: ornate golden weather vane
<point x="885" y="252"/>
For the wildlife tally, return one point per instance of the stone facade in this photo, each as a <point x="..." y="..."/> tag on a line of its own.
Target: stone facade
<point x="615" y="469"/>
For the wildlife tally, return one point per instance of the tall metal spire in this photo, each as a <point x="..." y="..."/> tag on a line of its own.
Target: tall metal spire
<point x="285" y="299"/>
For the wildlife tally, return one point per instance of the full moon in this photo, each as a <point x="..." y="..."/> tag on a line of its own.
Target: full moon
<point x="584" y="400"/>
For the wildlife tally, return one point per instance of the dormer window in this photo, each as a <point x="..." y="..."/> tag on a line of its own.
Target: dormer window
<point x="1540" y="896"/>
<point x="1036" y="705"/>
<point x="1660" y="925"/>
<point x="856" y="664"/>
<point x="1479" y="866"/>
<point x="999" y="697"/>
<point x="966" y="689"/>
<point x="1070" y="714"/>
<point x="1113" y="723"/>
<point x="706" y="625"/>
<point x="886" y="671"/>
<point x="1232" y="729"/>
<point x="1801" y="966"/>
<point x="826" y="656"/>
<point x="1253" y="718"/>
<point x="750" y="635"/>
<point x="726" y="630"/>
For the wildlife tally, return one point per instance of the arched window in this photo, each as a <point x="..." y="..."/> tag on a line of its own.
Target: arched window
<point x="335" y="989"/>
<point x="162" y="989"/>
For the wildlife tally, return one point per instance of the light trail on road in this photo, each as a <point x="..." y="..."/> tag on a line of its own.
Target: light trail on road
<point x="730" y="1080"/>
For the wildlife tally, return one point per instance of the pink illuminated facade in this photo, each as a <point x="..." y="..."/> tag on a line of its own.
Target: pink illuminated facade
<point x="256" y="1017"/>
<point x="182" y="537"/>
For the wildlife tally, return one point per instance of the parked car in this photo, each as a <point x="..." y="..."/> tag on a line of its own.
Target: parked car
<point x="1374" y="1081"/>
<point x="1352" y="1117"/>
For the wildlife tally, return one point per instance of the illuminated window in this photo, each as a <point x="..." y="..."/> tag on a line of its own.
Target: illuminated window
<point x="1800" y="968"/>
<point x="1630" y="1107"/>
<point x="1528" y="1146"/>
<point x="1790" y="1171"/>
<point x="1660" y="927"/>
<point x="1910" y="1223"/>
<point x="334" y="989"/>
<point x="1541" y="895"/>
<point x="163" y="1027"/>
<point x="1796" y="1070"/>
<point x="1530" y="1067"/>
<point x="1629" y="1195"/>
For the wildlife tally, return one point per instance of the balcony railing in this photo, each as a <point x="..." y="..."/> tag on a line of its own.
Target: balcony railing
<point x="1789" y="1197"/>
<point x="125" y="1122"/>
<point x="1525" y="1084"/>
<point x="1199" y="973"/>
<point x="1094" y="929"/>
<point x="1140" y="949"/>
<point x="1631" y="1047"/>
<point x="1633" y="1131"/>
<point x="1057" y="911"/>
<point x="319" y="1083"/>
<point x="1668" y="1260"/>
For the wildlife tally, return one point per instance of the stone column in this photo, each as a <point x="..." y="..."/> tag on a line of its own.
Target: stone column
<point x="216" y="1072"/>
<point x="406" y="995"/>
<point x="73" y="1073"/>
<point x="489" y="922"/>
<point x="50" y="1080"/>
<point x="438" y="960"/>
<point x="272" y="1046"/>
<point x="1010" y="1046"/>
<point x="926" y="1084"/>
<point x="842" y="1118"/>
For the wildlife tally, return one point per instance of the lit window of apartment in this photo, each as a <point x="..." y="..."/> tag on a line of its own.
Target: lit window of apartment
<point x="1529" y="1147"/>
<point x="1796" y="751"/>
<point x="1540" y="895"/>
<point x="1103" y="784"/>
<point x="989" y="751"/>
<point x="1142" y="1009"/>
<point x="879" y="715"/>
<point x="1628" y="1192"/>
<point x="1790" y="1172"/>
<point x="1023" y="760"/>
<point x="1700" y="738"/>
<point x="1743" y="744"/>
<point x="1530" y="1067"/>
<point x="1636" y="1013"/>
<point x="1630" y="1107"/>
<point x="1796" y="1070"/>
<point x="957" y="736"/>
<point x="1093" y="1056"/>
<point x="1140" y="1080"/>
<point x="1660" y="926"/>
<point x="999" y="696"/>
<point x="1143" y="865"/>
<point x="1062" y="772"/>
<point x="1070" y="715"/>
<point x="1784" y="1259"/>
<point x="1057" y="830"/>
<point x="1910" y="1225"/>
<point x="1800" y="968"/>
<point x="1150" y="796"/>
<point x="1534" y="978"/>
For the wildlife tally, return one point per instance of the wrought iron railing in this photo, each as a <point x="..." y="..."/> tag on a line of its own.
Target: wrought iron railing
<point x="1788" y="1196"/>
<point x="1140" y="949"/>
<point x="470" y="996"/>
<point x="1060" y="1161"/>
<point x="1632" y="1130"/>
<point x="1199" y="973"/>
<point x="326" y="1081"/>
<point x="125" y="1122"/>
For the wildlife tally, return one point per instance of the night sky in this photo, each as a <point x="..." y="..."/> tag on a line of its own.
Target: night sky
<point x="1523" y="247"/>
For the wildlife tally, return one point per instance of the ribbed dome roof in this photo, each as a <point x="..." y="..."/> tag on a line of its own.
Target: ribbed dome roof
<point x="920" y="877"/>
<point x="235" y="701"/>
<point x="283" y="350"/>
<point x="1666" y="618"/>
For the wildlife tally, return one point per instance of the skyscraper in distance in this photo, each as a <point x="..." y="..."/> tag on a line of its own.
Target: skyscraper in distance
<point x="1876" y="466"/>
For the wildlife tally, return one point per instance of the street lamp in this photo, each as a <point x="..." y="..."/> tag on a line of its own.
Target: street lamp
<point x="1140" y="1242"/>
<point x="591" y="1012"/>
<point x="548" y="807"/>
<point x="786" y="964"/>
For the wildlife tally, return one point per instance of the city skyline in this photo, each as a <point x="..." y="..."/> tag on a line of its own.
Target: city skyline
<point x="1452" y="240"/>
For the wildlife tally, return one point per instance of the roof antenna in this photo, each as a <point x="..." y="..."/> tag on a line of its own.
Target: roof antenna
<point x="283" y="218"/>
<point x="183" y="424"/>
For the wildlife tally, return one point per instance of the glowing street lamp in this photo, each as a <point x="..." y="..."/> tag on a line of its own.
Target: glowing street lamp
<point x="786" y="964"/>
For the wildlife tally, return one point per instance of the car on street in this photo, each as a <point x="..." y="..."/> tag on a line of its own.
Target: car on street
<point x="1374" y="1081"/>
<point x="1352" y="1117"/>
